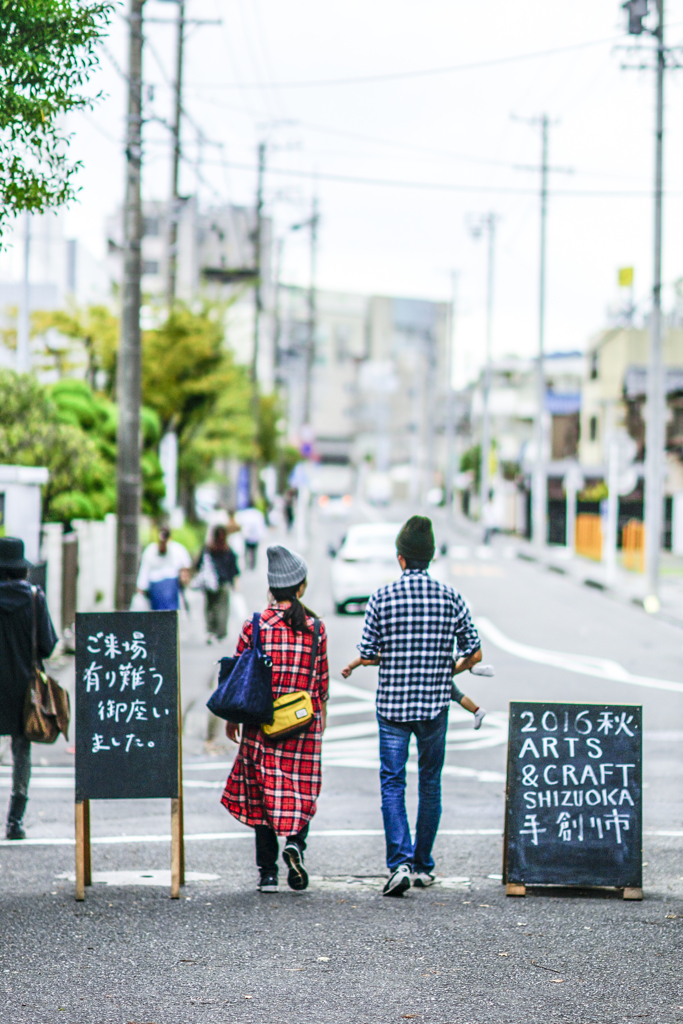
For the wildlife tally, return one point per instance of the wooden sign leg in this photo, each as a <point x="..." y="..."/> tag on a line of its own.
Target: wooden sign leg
<point x="182" y="837"/>
<point x="176" y="848"/>
<point x="83" y="862"/>
<point x="513" y="889"/>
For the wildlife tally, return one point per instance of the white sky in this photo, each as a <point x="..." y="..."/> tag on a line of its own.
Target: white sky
<point x="450" y="128"/>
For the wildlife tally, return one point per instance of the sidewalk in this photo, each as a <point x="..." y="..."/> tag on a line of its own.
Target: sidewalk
<point x="628" y="587"/>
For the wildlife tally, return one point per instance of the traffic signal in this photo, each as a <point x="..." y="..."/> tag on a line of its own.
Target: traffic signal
<point x="637" y="10"/>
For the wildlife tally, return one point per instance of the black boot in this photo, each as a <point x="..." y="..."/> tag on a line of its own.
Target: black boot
<point x="17" y="806"/>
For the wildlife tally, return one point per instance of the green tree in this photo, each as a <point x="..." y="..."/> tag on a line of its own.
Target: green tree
<point x="97" y="417"/>
<point x="96" y="328"/>
<point x="32" y="433"/>
<point x="47" y="51"/>
<point x="197" y="389"/>
<point x="471" y="460"/>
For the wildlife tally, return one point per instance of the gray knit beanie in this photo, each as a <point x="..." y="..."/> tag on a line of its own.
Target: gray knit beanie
<point x="285" y="568"/>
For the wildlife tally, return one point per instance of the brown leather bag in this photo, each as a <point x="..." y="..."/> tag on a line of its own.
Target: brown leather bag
<point x="47" y="710"/>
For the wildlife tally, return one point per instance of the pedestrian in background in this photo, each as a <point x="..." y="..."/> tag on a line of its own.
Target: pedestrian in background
<point x="253" y="525"/>
<point x="224" y="571"/>
<point x="164" y="568"/>
<point x="410" y="631"/>
<point x="274" y="785"/>
<point x="16" y="666"/>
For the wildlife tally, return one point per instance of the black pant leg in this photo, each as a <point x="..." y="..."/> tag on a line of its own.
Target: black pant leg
<point x="300" y="837"/>
<point x="266" y="848"/>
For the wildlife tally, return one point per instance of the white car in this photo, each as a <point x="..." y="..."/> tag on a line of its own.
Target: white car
<point x="365" y="561"/>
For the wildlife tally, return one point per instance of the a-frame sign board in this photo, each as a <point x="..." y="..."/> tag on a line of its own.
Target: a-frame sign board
<point x="128" y="723"/>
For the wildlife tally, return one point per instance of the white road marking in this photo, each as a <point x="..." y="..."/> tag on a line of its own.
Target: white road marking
<point x="162" y="877"/>
<point x="352" y="707"/>
<point x="582" y="664"/>
<point x="204" y="837"/>
<point x="342" y="689"/>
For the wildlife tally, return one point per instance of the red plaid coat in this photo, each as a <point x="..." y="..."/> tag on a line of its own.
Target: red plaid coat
<point x="277" y="783"/>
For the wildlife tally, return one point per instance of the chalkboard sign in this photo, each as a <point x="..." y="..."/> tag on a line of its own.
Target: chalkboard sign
<point x="574" y="795"/>
<point x="127" y="744"/>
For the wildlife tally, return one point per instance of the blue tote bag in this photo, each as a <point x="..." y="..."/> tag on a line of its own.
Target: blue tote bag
<point x="245" y="685"/>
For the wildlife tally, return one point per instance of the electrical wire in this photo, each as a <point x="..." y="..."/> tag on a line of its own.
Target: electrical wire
<point x="444" y="186"/>
<point x="421" y="73"/>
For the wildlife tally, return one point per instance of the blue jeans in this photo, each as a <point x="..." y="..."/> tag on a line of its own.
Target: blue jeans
<point x="394" y="740"/>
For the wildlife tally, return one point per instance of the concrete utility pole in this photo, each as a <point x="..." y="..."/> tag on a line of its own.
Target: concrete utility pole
<point x="174" y="212"/>
<point x="129" y="390"/>
<point x="23" y="357"/>
<point x="450" y="401"/>
<point x="258" y="261"/>
<point x="656" y="390"/>
<point x="540" y="484"/>
<point x="486" y="223"/>
<point x="312" y="312"/>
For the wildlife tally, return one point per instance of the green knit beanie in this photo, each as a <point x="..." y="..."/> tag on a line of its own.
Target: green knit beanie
<point x="415" y="540"/>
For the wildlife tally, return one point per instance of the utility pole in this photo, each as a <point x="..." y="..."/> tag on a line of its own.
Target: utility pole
<point x="540" y="484"/>
<point x="258" y="265"/>
<point x="486" y="223"/>
<point x="23" y="357"/>
<point x="129" y="391"/>
<point x="656" y="390"/>
<point x="174" y="212"/>
<point x="655" y="436"/>
<point x="312" y="313"/>
<point x="450" y="401"/>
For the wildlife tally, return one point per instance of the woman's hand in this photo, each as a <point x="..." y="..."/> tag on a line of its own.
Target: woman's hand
<point x="323" y="714"/>
<point x="346" y="672"/>
<point x="232" y="731"/>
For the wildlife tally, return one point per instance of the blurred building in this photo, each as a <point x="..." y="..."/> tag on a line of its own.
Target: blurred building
<point x="216" y="258"/>
<point x="615" y="400"/>
<point x="513" y="402"/>
<point x="380" y="381"/>
<point x="60" y="271"/>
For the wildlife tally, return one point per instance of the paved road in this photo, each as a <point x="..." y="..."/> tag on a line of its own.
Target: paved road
<point x="461" y="952"/>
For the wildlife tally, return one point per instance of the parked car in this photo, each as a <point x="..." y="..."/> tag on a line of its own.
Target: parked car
<point x="365" y="561"/>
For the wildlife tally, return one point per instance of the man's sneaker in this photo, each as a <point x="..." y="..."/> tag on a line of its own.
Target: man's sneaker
<point x="398" y="882"/>
<point x="268" y="882"/>
<point x="294" y="859"/>
<point x="479" y="717"/>
<point x="422" y="880"/>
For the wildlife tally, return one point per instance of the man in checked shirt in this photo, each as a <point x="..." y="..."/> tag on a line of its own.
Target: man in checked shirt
<point x="411" y="631"/>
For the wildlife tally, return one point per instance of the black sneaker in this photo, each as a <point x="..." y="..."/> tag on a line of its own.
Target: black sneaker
<point x="268" y="882"/>
<point x="398" y="882"/>
<point x="294" y="859"/>
<point x="15" y="830"/>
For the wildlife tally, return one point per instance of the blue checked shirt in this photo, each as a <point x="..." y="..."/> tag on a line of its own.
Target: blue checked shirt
<point x="413" y="626"/>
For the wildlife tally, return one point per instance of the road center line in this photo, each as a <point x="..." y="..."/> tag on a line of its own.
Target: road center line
<point x="585" y="665"/>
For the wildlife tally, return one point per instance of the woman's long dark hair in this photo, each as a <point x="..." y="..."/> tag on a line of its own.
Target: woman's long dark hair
<point x="295" y="615"/>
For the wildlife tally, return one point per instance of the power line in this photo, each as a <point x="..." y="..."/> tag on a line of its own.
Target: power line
<point x="420" y="73"/>
<point x="439" y="186"/>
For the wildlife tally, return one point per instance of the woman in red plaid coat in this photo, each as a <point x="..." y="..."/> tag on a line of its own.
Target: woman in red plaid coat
<point x="274" y="785"/>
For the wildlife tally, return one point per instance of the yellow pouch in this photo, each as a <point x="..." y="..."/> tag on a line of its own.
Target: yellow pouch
<point x="291" y="713"/>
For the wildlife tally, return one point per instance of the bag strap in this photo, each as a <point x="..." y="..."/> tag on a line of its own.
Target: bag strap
<point x="34" y="628"/>
<point x="256" y="635"/>
<point x="314" y="650"/>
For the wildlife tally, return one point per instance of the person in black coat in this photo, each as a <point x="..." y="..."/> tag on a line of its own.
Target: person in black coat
<point x="16" y="662"/>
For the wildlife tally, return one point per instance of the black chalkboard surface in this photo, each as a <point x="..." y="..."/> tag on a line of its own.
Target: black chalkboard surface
<point x="126" y="705"/>
<point x="574" y="795"/>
